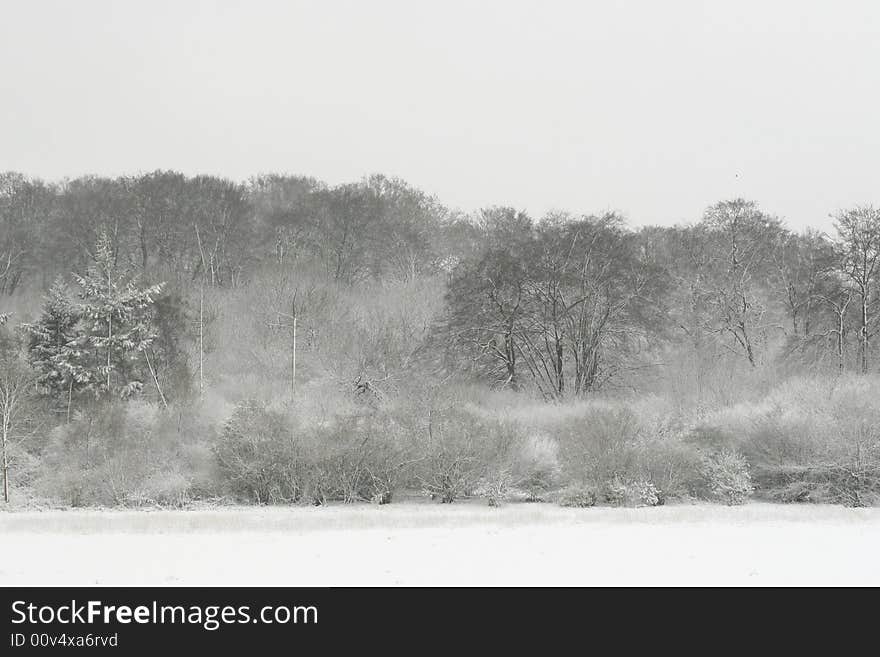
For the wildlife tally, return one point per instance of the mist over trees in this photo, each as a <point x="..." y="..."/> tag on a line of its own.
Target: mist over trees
<point x="166" y="332"/>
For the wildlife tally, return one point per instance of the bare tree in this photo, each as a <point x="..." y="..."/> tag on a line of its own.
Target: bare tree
<point x="562" y="302"/>
<point x="858" y="232"/>
<point x="25" y="207"/>
<point x="16" y="384"/>
<point x="839" y="305"/>
<point x="739" y="239"/>
<point x="487" y="297"/>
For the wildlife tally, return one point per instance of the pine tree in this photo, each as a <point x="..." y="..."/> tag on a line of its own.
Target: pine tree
<point x="52" y="345"/>
<point x="116" y="327"/>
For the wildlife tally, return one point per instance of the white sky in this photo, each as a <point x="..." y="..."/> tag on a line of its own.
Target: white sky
<point x="656" y="109"/>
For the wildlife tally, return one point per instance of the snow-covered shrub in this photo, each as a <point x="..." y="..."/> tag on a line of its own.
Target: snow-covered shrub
<point x="539" y="470"/>
<point x="609" y="446"/>
<point x="644" y="493"/>
<point x="615" y="492"/>
<point x="580" y="497"/>
<point x="260" y="456"/>
<point x="359" y="457"/>
<point x="458" y="453"/>
<point x="598" y="444"/>
<point x="727" y="477"/>
<point x="128" y="454"/>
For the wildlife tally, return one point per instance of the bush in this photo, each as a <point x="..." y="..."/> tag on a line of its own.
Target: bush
<point x="497" y="486"/>
<point x="171" y="488"/>
<point x="615" y="492"/>
<point x="727" y="477"/>
<point x="579" y="497"/>
<point x="801" y="491"/>
<point x="460" y="454"/>
<point x="629" y="460"/>
<point x="644" y="493"/>
<point x="639" y="492"/>
<point x="128" y="454"/>
<point x="597" y="447"/>
<point x="538" y="471"/>
<point x="672" y="467"/>
<point x="260" y="457"/>
<point x="452" y="450"/>
<point x="823" y="484"/>
<point x="511" y="461"/>
<point x="363" y="457"/>
<point x="809" y="441"/>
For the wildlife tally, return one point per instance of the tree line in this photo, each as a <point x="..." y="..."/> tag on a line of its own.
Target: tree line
<point x="563" y="303"/>
<point x="163" y="286"/>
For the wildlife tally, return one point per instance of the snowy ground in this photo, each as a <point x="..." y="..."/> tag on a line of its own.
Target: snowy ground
<point x="461" y="544"/>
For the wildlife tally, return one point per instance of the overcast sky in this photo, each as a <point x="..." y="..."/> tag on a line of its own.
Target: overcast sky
<point x="655" y="109"/>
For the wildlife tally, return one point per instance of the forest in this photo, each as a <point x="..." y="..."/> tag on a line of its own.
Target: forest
<point x="169" y="340"/>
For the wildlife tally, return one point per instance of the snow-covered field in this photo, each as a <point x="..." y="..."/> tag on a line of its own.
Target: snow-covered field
<point x="461" y="544"/>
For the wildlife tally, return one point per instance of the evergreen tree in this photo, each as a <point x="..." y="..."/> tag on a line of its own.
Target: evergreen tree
<point x="52" y="344"/>
<point x="116" y="327"/>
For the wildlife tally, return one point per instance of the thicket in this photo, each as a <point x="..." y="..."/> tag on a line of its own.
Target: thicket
<point x="808" y="441"/>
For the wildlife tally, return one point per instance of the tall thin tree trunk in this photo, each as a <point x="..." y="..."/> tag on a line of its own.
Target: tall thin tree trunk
<point x="5" y="446"/>
<point x="109" y="331"/>
<point x="156" y="380"/>
<point x="864" y="332"/>
<point x="293" y="359"/>
<point x="201" y="337"/>
<point x="5" y="475"/>
<point x="5" y="469"/>
<point x="69" y="398"/>
<point x="559" y="366"/>
<point x="109" y="348"/>
<point x="510" y="357"/>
